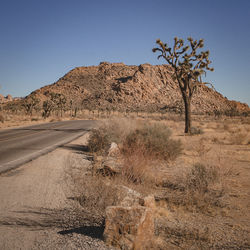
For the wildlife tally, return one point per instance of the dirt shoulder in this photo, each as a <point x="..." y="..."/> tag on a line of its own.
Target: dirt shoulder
<point x="35" y="212"/>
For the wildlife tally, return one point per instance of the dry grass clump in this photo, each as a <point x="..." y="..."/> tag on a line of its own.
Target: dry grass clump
<point x="91" y="191"/>
<point x="226" y="127"/>
<point x="196" y="131"/>
<point x="1" y="118"/>
<point x="143" y="147"/>
<point x="138" y="168"/>
<point x="201" y="147"/>
<point x="98" y="141"/>
<point x="154" y="140"/>
<point x="200" y="189"/>
<point x="94" y="195"/>
<point x="245" y="120"/>
<point x="237" y="137"/>
<point x="204" y="188"/>
<point x="200" y="177"/>
<point x="113" y="131"/>
<point x="215" y="140"/>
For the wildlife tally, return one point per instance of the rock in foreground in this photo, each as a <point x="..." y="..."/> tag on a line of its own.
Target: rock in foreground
<point x="129" y="227"/>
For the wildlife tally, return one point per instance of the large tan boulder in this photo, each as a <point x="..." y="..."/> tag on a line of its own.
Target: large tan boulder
<point x="9" y="98"/>
<point x="114" y="150"/>
<point x="109" y="166"/>
<point x="2" y="99"/>
<point x="129" y="227"/>
<point x="129" y="197"/>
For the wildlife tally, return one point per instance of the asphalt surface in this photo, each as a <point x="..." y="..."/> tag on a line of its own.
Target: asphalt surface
<point x="20" y="145"/>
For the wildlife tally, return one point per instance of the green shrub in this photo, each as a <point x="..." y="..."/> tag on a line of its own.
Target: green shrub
<point x="155" y="140"/>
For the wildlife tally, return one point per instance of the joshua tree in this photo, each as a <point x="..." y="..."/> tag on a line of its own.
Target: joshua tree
<point x="61" y="101"/>
<point x="31" y="103"/>
<point x="55" y="102"/>
<point x="50" y="104"/>
<point x="48" y="107"/>
<point x="188" y="66"/>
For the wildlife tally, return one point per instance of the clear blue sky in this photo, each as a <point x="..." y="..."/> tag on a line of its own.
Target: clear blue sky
<point x="41" y="40"/>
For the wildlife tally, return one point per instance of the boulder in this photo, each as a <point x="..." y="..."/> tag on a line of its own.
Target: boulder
<point x="149" y="202"/>
<point x="110" y="166"/>
<point x="129" y="197"/>
<point x="9" y="98"/>
<point x="129" y="227"/>
<point x="2" y="99"/>
<point x="114" y="150"/>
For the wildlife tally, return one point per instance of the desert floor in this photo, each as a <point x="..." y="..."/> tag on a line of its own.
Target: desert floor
<point x="38" y="211"/>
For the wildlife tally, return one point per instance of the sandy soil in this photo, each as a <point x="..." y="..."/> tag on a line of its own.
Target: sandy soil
<point x="35" y="209"/>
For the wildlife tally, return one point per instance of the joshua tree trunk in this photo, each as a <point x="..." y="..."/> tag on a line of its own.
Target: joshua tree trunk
<point x="187" y="102"/>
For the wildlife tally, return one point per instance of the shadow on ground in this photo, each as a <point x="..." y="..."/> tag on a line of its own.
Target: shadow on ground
<point x="66" y="221"/>
<point x="79" y="149"/>
<point x="76" y="148"/>
<point x="91" y="231"/>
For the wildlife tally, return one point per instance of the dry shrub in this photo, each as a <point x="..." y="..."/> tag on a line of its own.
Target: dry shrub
<point x="143" y="149"/>
<point x="196" y="131"/>
<point x="139" y="168"/>
<point x="226" y="127"/>
<point x="200" y="177"/>
<point x="201" y="147"/>
<point x="175" y="117"/>
<point x="203" y="188"/>
<point x="34" y="119"/>
<point x="95" y="195"/>
<point x="1" y="118"/>
<point x="153" y="138"/>
<point x="155" y="141"/>
<point x="245" y="120"/>
<point x="112" y="131"/>
<point x="237" y="137"/>
<point x="215" y="140"/>
<point x="91" y="191"/>
<point x="135" y="168"/>
<point x="98" y="141"/>
<point x="199" y="189"/>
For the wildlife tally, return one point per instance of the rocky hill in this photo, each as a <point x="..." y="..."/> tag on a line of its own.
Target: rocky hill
<point x="116" y="86"/>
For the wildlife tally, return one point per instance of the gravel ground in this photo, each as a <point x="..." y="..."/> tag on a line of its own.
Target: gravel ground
<point x="35" y="212"/>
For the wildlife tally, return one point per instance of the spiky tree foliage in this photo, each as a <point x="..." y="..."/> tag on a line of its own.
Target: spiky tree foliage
<point x="48" y="107"/>
<point x="50" y="104"/>
<point x="30" y="103"/>
<point x="55" y="102"/>
<point x="60" y="102"/>
<point x="189" y="65"/>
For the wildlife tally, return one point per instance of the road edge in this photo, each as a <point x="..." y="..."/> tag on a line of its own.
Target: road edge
<point x="19" y="162"/>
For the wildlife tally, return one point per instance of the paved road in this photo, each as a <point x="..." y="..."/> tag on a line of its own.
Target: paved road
<point x="21" y="145"/>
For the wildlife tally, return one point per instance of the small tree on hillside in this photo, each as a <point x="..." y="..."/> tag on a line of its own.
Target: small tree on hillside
<point x="60" y="102"/>
<point x="30" y="103"/>
<point x="188" y="65"/>
<point x="49" y="105"/>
